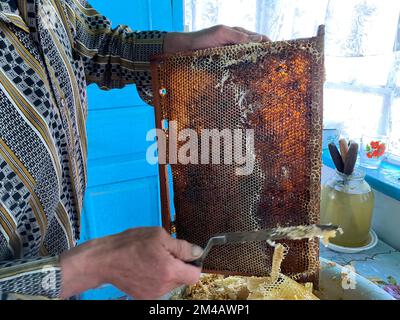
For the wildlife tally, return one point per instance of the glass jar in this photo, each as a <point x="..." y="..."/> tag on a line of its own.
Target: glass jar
<point x="348" y="201"/>
<point x="373" y="150"/>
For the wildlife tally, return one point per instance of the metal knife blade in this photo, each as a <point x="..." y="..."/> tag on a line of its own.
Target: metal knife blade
<point x="290" y="233"/>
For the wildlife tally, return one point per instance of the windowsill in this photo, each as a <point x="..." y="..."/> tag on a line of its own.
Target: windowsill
<point x="377" y="265"/>
<point x="386" y="179"/>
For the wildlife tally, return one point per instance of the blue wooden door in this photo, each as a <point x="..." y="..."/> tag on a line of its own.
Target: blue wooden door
<point x="123" y="189"/>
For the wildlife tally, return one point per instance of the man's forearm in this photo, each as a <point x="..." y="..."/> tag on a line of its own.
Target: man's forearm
<point x="81" y="268"/>
<point x="145" y="263"/>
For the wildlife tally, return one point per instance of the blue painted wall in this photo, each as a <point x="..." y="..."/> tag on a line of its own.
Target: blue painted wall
<point x="123" y="189"/>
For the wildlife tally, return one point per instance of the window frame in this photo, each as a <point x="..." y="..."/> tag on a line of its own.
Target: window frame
<point x="388" y="92"/>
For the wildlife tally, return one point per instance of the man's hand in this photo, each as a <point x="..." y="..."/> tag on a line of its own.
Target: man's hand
<point x="145" y="263"/>
<point x="217" y="36"/>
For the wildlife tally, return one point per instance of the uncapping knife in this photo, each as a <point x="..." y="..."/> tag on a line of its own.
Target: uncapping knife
<point x="289" y="233"/>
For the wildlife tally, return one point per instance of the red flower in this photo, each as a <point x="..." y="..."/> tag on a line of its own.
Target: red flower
<point x="378" y="150"/>
<point x="375" y="144"/>
<point x="381" y="149"/>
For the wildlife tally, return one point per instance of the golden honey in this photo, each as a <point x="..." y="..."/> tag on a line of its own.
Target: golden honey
<point x="348" y="201"/>
<point x="274" y="90"/>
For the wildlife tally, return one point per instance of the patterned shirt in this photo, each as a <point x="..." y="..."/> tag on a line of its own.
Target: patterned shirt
<point x="50" y="50"/>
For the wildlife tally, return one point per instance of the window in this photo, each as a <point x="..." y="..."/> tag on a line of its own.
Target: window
<point x="362" y="92"/>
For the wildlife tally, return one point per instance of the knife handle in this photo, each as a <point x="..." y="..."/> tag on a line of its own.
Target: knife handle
<point x="196" y="263"/>
<point x="351" y="159"/>
<point x="344" y="148"/>
<point x="336" y="157"/>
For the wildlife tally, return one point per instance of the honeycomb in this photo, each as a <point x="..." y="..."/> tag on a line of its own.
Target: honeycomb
<point x="275" y="89"/>
<point x="274" y="287"/>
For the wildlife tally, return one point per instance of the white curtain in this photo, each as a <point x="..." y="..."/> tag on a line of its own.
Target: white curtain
<point x="362" y="93"/>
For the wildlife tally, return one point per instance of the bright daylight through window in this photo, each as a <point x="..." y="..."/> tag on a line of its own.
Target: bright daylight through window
<point x="362" y="91"/>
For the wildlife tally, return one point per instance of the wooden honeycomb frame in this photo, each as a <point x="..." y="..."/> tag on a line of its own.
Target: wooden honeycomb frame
<point x="276" y="89"/>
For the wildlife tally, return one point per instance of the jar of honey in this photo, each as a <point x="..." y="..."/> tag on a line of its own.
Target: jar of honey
<point x="348" y="201"/>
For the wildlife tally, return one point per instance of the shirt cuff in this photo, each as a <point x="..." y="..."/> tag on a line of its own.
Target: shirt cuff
<point x="36" y="277"/>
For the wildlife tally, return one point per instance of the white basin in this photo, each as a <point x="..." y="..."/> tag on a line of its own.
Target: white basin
<point x="331" y="285"/>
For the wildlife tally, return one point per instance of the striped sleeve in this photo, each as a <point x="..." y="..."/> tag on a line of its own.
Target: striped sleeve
<point x="21" y="234"/>
<point x="39" y="276"/>
<point x="114" y="57"/>
<point x="31" y="277"/>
